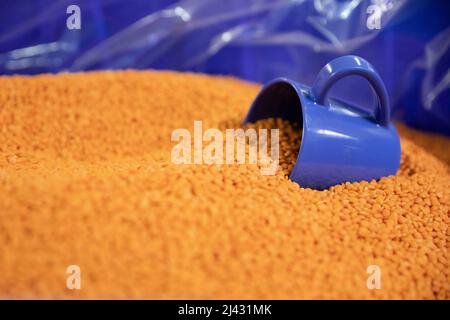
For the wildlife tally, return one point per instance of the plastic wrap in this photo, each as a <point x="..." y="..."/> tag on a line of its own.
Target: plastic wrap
<point x="253" y="39"/>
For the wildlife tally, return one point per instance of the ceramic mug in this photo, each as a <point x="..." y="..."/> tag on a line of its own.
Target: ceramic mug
<point x="340" y="142"/>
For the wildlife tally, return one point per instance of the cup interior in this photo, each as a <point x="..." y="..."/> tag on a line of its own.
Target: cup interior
<point x="278" y="99"/>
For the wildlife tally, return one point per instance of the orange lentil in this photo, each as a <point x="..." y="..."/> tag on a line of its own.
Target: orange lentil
<point x="86" y="179"/>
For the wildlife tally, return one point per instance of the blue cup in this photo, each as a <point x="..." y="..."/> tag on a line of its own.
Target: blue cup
<point x="340" y="142"/>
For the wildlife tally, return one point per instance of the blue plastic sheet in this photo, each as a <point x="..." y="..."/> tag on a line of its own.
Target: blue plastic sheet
<point x="407" y="41"/>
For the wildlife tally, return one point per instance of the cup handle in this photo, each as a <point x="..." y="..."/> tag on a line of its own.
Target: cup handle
<point x="349" y="66"/>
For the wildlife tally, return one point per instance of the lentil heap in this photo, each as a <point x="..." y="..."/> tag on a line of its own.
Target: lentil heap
<point x="86" y="179"/>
